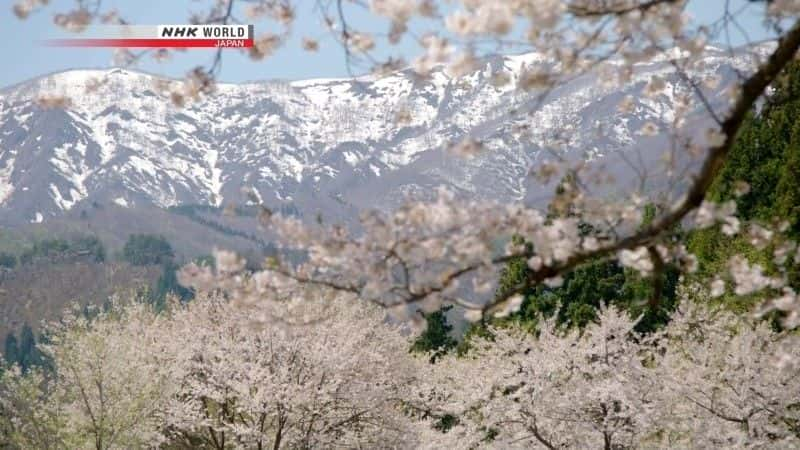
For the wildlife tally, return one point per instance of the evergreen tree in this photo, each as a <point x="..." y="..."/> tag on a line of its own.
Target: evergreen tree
<point x="147" y="249"/>
<point x="167" y="284"/>
<point x="28" y="355"/>
<point x="91" y="246"/>
<point x="436" y="339"/>
<point x="7" y="260"/>
<point x="11" y="349"/>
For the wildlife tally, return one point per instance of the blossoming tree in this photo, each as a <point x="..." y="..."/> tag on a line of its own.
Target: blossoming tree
<point x="106" y="389"/>
<point x="709" y="380"/>
<point x="332" y="384"/>
<point x="195" y="376"/>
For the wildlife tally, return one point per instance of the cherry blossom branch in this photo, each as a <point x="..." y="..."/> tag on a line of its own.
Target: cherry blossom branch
<point x="217" y="62"/>
<point x="415" y="291"/>
<point x="578" y="10"/>
<point x="751" y="90"/>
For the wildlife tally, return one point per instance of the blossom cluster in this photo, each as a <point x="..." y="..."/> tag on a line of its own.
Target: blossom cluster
<point x="196" y="376"/>
<point x="699" y="383"/>
<point x="132" y="378"/>
<point x="424" y="255"/>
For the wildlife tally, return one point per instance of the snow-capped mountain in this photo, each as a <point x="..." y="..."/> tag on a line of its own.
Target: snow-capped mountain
<point x="327" y="144"/>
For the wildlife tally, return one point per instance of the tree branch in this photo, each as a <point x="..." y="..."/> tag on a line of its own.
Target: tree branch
<point x="750" y="91"/>
<point x="588" y="11"/>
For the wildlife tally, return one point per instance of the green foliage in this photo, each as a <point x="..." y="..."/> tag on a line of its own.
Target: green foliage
<point x="575" y="303"/>
<point x="713" y="249"/>
<point x="514" y="273"/>
<point x="205" y="260"/>
<point x="766" y="155"/>
<point x="23" y="351"/>
<point x="11" y="349"/>
<point x="477" y="330"/>
<point x="445" y="423"/>
<point x="29" y="355"/>
<point x="7" y="260"/>
<point x="47" y="248"/>
<point x="52" y="248"/>
<point x="585" y="289"/>
<point x="639" y="297"/>
<point x="436" y="339"/>
<point x="147" y="249"/>
<point x="91" y="246"/>
<point x="167" y="285"/>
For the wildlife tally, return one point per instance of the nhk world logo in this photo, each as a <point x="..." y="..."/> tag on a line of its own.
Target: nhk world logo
<point x="162" y="36"/>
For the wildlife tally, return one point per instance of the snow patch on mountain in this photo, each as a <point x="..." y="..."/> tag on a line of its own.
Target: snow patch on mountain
<point x="327" y="145"/>
<point x="6" y="186"/>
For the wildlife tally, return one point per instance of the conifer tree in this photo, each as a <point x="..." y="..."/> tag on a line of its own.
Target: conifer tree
<point x="11" y="349"/>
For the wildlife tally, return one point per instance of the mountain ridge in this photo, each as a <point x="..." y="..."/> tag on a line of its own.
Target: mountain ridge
<point x="330" y="146"/>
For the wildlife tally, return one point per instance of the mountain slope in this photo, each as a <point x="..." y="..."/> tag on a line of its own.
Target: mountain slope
<point x="329" y="146"/>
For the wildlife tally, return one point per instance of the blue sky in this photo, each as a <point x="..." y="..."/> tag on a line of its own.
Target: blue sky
<point x="26" y="58"/>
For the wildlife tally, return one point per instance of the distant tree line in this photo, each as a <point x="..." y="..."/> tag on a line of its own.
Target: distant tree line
<point x="53" y="248"/>
<point x="89" y="247"/>
<point x="146" y="250"/>
<point x="139" y="250"/>
<point x="193" y="212"/>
